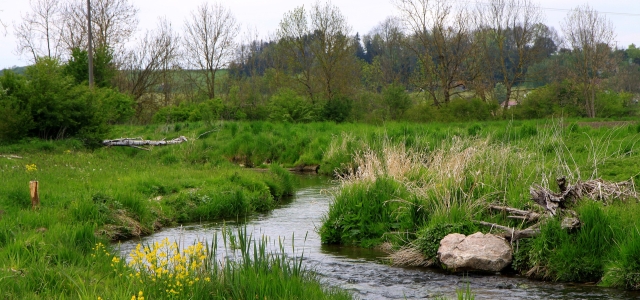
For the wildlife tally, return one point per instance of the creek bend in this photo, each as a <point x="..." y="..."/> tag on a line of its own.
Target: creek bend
<point x="362" y="270"/>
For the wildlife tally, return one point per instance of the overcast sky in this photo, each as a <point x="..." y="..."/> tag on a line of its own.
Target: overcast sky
<point x="362" y="15"/>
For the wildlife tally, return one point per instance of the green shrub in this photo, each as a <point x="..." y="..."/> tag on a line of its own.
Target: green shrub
<point x="45" y="103"/>
<point x="467" y="110"/>
<point x="337" y="109"/>
<point x="396" y="100"/>
<point x="288" y="106"/>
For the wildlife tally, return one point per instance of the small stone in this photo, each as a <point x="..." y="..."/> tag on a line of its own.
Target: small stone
<point x="570" y="223"/>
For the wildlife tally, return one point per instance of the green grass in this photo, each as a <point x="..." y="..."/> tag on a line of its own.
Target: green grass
<point x="420" y="176"/>
<point x="448" y="177"/>
<point x="245" y="270"/>
<point x="111" y="193"/>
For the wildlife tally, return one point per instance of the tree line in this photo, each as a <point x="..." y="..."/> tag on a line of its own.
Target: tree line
<point x="437" y="60"/>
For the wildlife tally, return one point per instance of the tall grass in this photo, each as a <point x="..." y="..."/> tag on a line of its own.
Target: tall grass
<point x="245" y="270"/>
<point x="400" y="182"/>
<point x="102" y="195"/>
<point x="450" y="180"/>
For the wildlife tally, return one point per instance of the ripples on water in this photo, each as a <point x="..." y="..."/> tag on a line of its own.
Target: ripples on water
<point x="361" y="270"/>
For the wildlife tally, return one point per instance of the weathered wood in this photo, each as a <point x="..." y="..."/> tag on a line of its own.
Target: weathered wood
<point x="526" y="215"/>
<point x="596" y="189"/>
<point x="550" y="201"/>
<point x="205" y="133"/>
<point x="35" y="198"/>
<point x="512" y="234"/>
<point x="138" y="142"/>
<point x="10" y="156"/>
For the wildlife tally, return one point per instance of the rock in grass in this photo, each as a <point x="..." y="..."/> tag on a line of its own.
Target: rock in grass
<point x="484" y="252"/>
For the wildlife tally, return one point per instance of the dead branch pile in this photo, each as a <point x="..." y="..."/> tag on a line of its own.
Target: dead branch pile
<point x="556" y="204"/>
<point x="596" y="189"/>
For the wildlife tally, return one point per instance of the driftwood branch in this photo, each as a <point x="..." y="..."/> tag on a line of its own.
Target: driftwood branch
<point x="205" y="133"/>
<point x="512" y="234"/>
<point x="526" y="215"/>
<point x="556" y="203"/>
<point x="139" y="142"/>
<point x="596" y="189"/>
<point x="10" y="156"/>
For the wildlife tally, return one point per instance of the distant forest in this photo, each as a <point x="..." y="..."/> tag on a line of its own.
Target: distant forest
<point x="437" y="60"/>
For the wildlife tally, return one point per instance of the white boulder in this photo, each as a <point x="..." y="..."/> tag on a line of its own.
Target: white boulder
<point x="485" y="252"/>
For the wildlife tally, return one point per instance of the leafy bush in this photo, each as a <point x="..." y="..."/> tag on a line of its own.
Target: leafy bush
<point x="287" y="106"/>
<point x="611" y="104"/>
<point x="337" y="109"/>
<point x="396" y="100"/>
<point x="468" y="110"/>
<point x="46" y="103"/>
<point x="558" y="99"/>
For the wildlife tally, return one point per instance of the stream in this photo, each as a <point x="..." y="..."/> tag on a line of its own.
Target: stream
<point x="362" y="271"/>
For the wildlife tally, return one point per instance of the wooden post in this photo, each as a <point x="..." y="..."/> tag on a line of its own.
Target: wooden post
<point x="35" y="198"/>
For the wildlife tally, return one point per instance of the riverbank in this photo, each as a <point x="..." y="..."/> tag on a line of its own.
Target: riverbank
<point x="61" y="249"/>
<point x="413" y="196"/>
<point x="363" y="271"/>
<point x="93" y="196"/>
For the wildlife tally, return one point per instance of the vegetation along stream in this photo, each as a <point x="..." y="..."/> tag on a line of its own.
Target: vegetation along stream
<point x="363" y="271"/>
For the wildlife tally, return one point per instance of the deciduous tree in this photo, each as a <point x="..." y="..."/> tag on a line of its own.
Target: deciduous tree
<point x="590" y="35"/>
<point x="113" y="23"/>
<point x="209" y="42"/>
<point x="511" y="29"/>
<point x="333" y="50"/>
<point x="149" y="66"/>
<point x="39" y="32"/>
<point x="443" y="44"/>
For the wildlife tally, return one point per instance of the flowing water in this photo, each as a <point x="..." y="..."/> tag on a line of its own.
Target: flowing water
<point x="363" y="271"/>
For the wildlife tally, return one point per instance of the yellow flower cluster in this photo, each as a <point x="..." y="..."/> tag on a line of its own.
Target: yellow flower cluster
<point x="100" y="249"/>
<point x="31" y="168"/>
<point x="165" y="264"/>
<point x="140" y="296"/>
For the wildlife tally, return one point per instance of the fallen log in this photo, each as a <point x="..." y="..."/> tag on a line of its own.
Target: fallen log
<point x="139" y="142"/>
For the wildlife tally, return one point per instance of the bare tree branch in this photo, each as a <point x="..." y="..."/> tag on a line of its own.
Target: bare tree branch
<point x="39" y="32"/>
<point x="209" y="42"/>
<point x="590" y="35"/>
<point x="113" y="23"/>
<point x="147" y="66"/>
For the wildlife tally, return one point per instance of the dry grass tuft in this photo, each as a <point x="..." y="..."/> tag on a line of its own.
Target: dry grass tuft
<point x="409" y="257"/>
<point x="449" y="175"/>
<point x="393" y="161"/>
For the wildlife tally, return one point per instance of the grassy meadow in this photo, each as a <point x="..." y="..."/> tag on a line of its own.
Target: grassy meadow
<point x="407" y="184"/>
